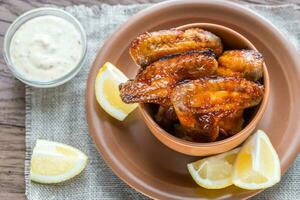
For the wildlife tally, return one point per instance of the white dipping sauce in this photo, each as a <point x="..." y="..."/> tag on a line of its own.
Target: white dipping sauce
<point x="46" y="48"/>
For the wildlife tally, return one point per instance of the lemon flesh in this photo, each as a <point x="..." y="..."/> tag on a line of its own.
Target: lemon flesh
<point x="54" y="162"/>
<point x="107" y="91"/>
<point x="257" y="165"/>
<point x="214" y="172"/>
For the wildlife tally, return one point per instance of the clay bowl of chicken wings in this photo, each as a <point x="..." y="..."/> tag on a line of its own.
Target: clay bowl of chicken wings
<point x="202" y="87"/>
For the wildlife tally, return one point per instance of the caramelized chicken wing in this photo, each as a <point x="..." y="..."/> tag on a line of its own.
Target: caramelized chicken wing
<point x="155" y="83"/>
<point x="203" y="105"/>
<point x="232" y="124"/>
<point x="166" y="116"/>
<point x="151" y="46"/>
<point x="241" y="63"/>
<point x="209" y="127"/>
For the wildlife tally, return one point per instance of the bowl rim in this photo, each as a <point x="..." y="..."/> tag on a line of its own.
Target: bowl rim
<point x="248" y="128"/>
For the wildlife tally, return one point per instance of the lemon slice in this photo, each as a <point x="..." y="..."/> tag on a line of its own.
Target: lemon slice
<point x="107" y="91"/>
<point x="54" y="162"/>
<point x="214" y="172"/>
<point x="257" y="165"/>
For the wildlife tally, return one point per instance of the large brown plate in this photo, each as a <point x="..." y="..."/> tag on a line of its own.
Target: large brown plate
<point x="144" y="163"/>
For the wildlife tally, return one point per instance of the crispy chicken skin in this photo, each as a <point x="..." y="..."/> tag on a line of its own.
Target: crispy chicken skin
<point x="232" y="124"/>
<point x="151" y="46"/>
<point x="241" y="63"/>
<point x="212" y="126"/>
<point x="203" y="105"/>
<point x="201" y="92"/>
<point x="207" y="129"/>
<point x="166" y="116"/>
<point x="155" y="83"/>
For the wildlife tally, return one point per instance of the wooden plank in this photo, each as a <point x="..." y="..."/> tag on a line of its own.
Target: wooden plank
<point x="12" y="101"/>
<point x="12" y="196"/>
<point x="12" y="155"/>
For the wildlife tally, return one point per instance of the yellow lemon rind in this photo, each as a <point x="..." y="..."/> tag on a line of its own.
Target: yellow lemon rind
<point x="206" y="183"/>
<point x="109" y="71"/>
<point x="277" y="171"/>
<point x="40" y="150"/>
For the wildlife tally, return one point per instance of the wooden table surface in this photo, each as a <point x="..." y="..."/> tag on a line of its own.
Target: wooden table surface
<point x="12" y="94"/>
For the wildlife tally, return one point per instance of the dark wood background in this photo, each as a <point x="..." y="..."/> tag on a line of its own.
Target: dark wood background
<point x="12" y="94"/>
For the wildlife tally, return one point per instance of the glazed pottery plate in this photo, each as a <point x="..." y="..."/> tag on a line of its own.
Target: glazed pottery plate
<point x="153" y="169"/>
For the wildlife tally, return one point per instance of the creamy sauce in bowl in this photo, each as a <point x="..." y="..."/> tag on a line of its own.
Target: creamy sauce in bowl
<point x="46" y="48"/>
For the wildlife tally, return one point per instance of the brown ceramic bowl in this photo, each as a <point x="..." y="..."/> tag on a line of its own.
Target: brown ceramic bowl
<point x="231" y="40"/>
<point x="133" y="152"/>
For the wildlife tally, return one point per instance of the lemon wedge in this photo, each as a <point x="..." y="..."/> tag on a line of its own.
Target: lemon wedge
<point x="53" y="162"/>
<point x="214" y="172"/>
<point x="107" y="91"/>
<point x="257" y="165"/>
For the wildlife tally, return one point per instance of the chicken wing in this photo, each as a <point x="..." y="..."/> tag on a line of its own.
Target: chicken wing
<point x="155" y="83"/>
<point x="151" y="46"/>
<point x="232" y="124"/>
<point x="241" y="63"/>
<point x="208" y="129"/>
<point x="202" y="104"/>
<point x="166" y="117"/>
